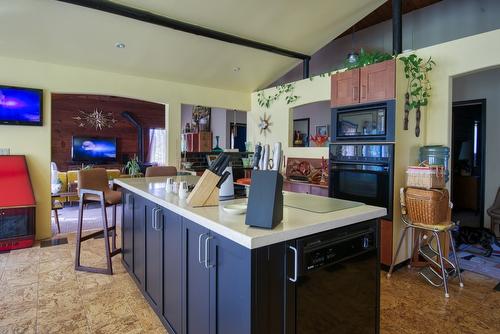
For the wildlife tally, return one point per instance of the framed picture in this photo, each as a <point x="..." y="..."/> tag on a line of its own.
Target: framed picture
<point x="323" y="130"/>
<point x="301" y="132"/>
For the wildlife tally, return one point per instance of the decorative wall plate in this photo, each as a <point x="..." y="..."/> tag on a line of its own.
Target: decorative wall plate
<point x="97" y="119"/>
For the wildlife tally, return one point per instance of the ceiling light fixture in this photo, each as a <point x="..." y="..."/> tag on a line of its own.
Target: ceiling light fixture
<point x="236" y="69"/>
<point x="120" y="45"/>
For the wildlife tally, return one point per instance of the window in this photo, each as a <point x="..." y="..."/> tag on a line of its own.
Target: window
<point x="157" y="146"/>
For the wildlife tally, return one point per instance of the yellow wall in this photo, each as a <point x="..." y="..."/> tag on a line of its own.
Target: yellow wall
<point x="309" y="91"/>
<point x="34" y="142"/>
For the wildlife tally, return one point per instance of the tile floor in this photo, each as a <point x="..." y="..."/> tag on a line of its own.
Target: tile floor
<point x="41" y="293"/>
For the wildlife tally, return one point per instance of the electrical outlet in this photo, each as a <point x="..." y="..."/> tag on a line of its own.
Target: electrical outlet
<point x="4" y="151"/>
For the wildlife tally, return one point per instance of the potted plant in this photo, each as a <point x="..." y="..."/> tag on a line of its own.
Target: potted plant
<point x="133" y="167"/>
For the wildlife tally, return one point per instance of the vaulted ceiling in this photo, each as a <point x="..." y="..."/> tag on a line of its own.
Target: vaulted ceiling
<point x="51" y="31"/>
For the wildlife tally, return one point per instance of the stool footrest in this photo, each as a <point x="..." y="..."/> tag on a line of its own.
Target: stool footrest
<point x="95" y="234"/>
<point x="106" y="271"/>
<point x="116" y="252"/>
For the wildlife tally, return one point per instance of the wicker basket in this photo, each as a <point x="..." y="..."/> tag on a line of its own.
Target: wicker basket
<point x="426" y="177"/>
<point x="429" y="207"/>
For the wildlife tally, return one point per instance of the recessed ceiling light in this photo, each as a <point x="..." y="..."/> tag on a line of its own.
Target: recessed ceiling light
<point x="120" y="45"/>
<point x="236" y="69"/>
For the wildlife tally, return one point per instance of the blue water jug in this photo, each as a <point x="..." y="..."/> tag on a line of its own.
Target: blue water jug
<point x="436" y="155"/>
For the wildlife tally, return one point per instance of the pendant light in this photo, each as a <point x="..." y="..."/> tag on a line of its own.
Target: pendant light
<point x="352" y="57"/>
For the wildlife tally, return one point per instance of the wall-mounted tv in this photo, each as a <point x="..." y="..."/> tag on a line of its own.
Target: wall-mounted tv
<point x="21" y="106"/>
<point x="93" y="149"/>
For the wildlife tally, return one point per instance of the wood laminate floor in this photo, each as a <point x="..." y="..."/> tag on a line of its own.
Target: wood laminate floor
<point x="41" y="293"/>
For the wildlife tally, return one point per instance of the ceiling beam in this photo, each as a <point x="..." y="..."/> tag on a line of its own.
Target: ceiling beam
<point x="145" y="16"/>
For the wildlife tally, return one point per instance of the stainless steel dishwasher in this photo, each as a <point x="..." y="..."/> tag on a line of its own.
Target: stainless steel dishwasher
<point x="333" y="283"/>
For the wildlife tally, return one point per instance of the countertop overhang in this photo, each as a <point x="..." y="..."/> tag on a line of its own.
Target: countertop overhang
<point x="296" y="222"/>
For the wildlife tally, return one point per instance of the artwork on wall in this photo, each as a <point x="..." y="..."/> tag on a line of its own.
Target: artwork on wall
<point x="97" y="119"/>
<point x="301" y="132"/>
<point x="323" y="130"/>
<point x="201" y="118"/>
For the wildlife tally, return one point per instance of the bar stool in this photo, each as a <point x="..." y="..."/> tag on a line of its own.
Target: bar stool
<point x="161" y="171"/>
<point x="93" y="187"/>
<point x="436" y="277"/>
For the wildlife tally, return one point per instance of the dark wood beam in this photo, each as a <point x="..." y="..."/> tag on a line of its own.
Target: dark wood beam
<point x="148" y="17"/>
<point x="397" y="27"/>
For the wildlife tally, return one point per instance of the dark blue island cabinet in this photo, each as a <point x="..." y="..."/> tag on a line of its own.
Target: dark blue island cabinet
<point x="199" y="282"/>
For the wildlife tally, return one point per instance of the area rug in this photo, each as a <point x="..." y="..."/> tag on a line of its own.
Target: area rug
<point x="471" y="259"/>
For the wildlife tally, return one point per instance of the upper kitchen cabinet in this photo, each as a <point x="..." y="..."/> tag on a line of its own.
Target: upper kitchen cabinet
<point x="378" y="81"/>
<point x="345" y="88"/>
<point x="371" y="83"/>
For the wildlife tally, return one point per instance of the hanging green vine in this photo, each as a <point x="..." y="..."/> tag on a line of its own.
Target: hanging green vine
<point x="419" y="87"/>
<point x="285" y="89"/>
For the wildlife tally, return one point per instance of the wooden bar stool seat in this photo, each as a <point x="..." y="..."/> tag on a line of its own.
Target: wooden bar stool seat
<point x="93" y="187"/>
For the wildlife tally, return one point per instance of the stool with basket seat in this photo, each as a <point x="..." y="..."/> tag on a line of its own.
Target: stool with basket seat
<point x="93" y="187"/>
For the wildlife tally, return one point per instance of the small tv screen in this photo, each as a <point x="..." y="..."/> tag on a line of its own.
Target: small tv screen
<point x="21" y="106"/>
<point x="92" y="149"/>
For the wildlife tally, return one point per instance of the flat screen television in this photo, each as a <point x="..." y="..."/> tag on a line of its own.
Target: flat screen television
<point x="21" y="106"/>
<point x="93" y="149"/>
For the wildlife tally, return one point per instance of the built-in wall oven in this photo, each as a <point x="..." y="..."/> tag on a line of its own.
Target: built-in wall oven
<point x="363" y="172"/>
<point x="365" y="122"/>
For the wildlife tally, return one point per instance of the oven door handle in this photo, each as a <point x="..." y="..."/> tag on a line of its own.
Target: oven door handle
<point x="360" y="163"/>
<point x="295" y="264"/>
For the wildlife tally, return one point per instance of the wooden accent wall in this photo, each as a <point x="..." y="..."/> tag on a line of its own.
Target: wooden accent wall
<point x="64" y="127"/>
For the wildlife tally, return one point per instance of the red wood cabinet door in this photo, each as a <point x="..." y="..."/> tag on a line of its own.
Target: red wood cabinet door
<point x="345" y="88"/>
<point x="378" y="82"/>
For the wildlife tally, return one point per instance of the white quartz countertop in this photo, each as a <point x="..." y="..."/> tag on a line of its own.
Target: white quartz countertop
<point x="296" y="222"/>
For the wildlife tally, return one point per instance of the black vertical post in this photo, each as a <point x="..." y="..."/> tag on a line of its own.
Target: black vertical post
<point x="305" y="68"/>
<point x="397" y="27"/>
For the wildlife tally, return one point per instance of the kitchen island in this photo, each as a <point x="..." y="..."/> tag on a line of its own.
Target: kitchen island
<point x="204" y="271"/>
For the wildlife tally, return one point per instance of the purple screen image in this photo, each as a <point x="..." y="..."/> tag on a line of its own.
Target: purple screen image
<point x="20" y="105"/>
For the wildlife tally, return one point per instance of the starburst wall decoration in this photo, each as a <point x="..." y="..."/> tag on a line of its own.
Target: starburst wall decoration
<point x="97" y="119"/>
<point x="265" y="123"/>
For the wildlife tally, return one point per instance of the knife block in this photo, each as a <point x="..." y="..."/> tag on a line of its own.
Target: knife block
<point x="205" y="193"/>
<point x="265" y="202"/>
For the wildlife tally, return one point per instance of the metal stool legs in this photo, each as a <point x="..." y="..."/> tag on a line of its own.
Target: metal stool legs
<point x="436" y="273"/>
<point x="106" y="229"/>
<point x="457" y="264"/>
<point x="403" y="236"/>
<point x="444" y="274"/>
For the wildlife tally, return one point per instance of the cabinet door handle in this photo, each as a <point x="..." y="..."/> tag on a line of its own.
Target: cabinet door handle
<point x="199" y="247"/>
<point x="153" y="218"/>
<point x="128" y="200"/>
<point x="295" y="264"/>
<point x="207" y="253"/>
<point x="158" y="221"/>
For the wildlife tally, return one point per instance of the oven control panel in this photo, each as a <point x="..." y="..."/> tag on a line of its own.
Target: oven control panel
<point x="330" y="252"/>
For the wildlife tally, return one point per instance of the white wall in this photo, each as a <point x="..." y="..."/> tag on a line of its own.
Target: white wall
<point x="218" y="124"/>
<point x="485" y="84"/>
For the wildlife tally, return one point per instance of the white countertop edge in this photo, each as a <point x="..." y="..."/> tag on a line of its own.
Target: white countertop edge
<point x="259" y="241"/>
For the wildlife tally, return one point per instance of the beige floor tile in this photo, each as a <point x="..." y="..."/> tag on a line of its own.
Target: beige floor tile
<point x="22" y="316"/>
<point x="24" y="294"/>
<point x="126" y="324"/>
<point x="24" y="274"/>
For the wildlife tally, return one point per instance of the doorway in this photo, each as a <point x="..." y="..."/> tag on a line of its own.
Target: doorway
<point x="468" y="161"/>
<point x="238" y="136"/>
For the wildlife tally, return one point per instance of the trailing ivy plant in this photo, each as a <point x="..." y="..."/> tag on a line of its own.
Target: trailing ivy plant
<point x="367" y="58"/>
<point x="419" y="87"/>
<point x="285" y="89"/>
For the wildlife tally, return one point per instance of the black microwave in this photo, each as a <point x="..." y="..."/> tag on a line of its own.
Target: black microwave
<point x="374" y="121"/>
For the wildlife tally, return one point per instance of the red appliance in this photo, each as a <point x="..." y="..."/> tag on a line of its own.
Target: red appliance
<point x="17" y="204"/>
